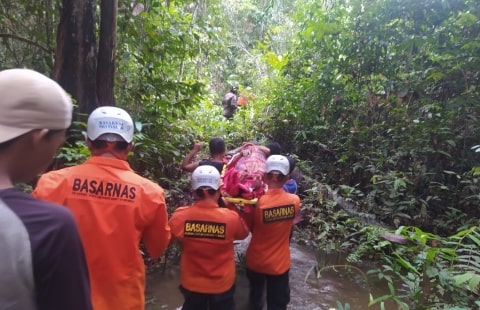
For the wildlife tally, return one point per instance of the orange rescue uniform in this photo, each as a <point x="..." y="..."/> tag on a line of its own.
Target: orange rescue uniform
<point x="115" y="208"/>
<point x="207" y="233"/>
<point x="271" y="222"/>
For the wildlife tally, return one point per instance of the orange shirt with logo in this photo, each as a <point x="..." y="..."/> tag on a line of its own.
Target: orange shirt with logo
<point x="115" y="208"/>
<point x="206" y="233"/>
<point x="271" y="222"/>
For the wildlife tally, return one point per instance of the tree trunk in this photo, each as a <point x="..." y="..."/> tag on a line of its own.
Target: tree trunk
<point x="75" y="55"/>
<point x="106" y="52"/>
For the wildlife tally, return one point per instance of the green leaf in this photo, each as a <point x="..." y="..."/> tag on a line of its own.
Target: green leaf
<point x="138" y="126"/>
<point x="407" y="265"/>
<point x="277" y="62"/>
<point x="373" y="301"/>
<point x="399" y="183"/>
<point x="462" y="278"/>
<point x="473" y="283"/>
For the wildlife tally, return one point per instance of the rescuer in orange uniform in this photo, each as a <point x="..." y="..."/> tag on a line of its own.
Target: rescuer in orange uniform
<point x="206" y="233"/>
<point x="115" y="208"/>
<point x="268" y="254"/>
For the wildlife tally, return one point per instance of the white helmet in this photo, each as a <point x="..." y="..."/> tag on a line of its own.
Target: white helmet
<point x="110" y="124"/>
<point x="278" y="163"/>
<point x="205" y="176"/>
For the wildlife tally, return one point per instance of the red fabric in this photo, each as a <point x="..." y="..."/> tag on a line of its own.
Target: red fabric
<point x="244" y="173"/>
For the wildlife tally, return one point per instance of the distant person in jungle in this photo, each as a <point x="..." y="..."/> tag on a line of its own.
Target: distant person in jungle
<point x="268" y="254"/>
<point x="217" y="148"/>
<point x="274" y="148"/>
<point x="229" y="102"/>
<point x="115" y="209"/>
<point x="206" y="233"/>
<point x="42" y="260"/>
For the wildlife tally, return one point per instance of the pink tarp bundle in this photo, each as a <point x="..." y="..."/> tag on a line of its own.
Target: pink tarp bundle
<point x="243" y="177"/>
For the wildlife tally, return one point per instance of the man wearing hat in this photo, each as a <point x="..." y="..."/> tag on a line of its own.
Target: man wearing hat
<point x="42" y="262"/>
<point x="206" y="233"/>
<point x="268" y="254"/>
<point x="115" y="208"/>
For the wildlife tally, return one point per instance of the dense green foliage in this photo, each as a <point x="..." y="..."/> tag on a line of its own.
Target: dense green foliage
<point x="381" y="100"/>
<point x="384" y="94"/>
<point x="378" y="99"/>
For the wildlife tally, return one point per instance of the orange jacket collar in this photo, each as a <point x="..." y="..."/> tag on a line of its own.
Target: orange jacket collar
<point x="206" y="204"/>
<point x="108" y="161"/>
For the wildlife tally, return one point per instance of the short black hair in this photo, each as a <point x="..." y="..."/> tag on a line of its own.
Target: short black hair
<point x="102" y="144"/>
<point x="277" y="176"/>
<point x="200" y="192"/>
<point x="217" y="146"/>
<point x="274" y="147"/>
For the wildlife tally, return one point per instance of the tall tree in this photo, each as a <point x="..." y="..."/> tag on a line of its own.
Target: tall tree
<point x="75" y="56"/>
<point x="106" y="52"/>
<point x="86" y="75"/>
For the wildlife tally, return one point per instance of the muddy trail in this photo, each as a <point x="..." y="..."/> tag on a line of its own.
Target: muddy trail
<point x="307" y="291"/>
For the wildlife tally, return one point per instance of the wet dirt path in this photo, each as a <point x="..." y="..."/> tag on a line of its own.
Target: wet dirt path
<point x="307" y="293"/>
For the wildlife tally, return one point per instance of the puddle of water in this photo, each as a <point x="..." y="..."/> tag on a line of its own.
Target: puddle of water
<point x="307" y="293"/>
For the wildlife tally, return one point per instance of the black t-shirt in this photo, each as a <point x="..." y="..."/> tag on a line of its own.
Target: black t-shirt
<point x="54" y="272"/>
<point x="216" y="164"/>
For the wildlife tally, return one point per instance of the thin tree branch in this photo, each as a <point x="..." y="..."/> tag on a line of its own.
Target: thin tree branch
<point x="12" y="36"/>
